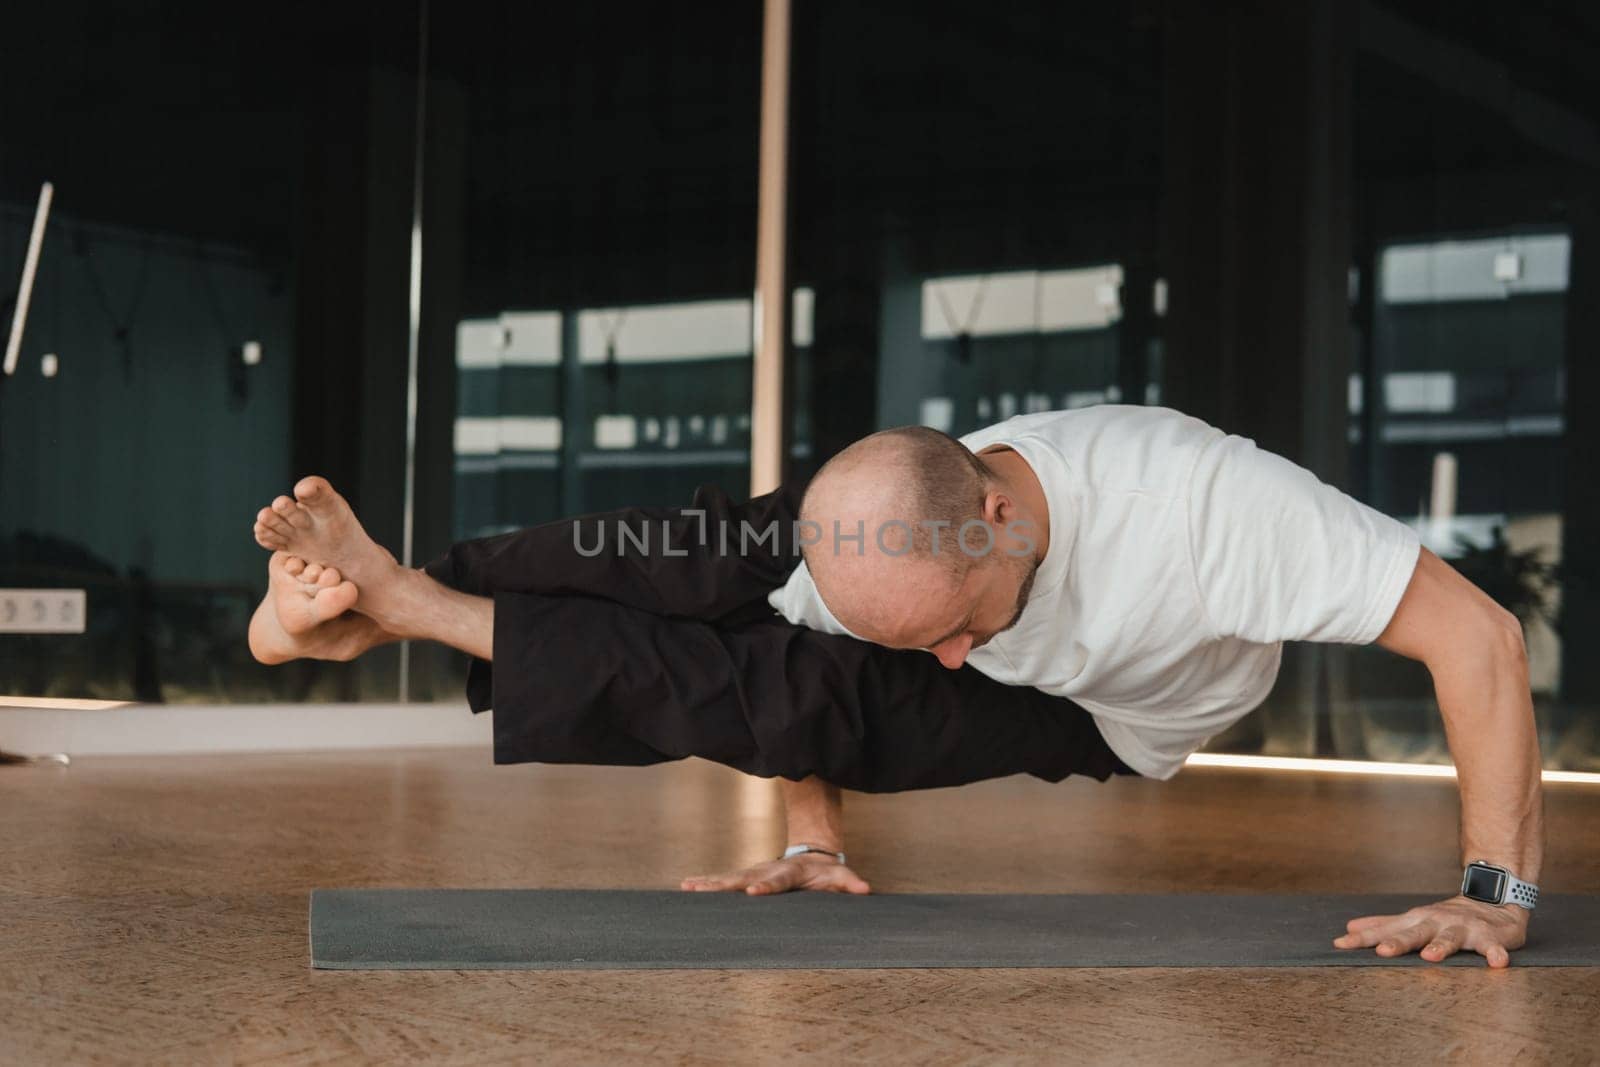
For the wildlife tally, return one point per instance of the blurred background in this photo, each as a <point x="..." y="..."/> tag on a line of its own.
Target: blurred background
<point x="1364" y="234"/>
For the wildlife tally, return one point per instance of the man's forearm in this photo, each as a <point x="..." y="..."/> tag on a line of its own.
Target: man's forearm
<point x="1473" y="648"/>
<point x="814" y="813"/>
<point x="1484" y="697"/>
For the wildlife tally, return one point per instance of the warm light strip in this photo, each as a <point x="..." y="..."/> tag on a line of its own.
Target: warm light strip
<point x="1350" y="766"/>
<point x="30" y="264"/>
<point x="62" y="703"/>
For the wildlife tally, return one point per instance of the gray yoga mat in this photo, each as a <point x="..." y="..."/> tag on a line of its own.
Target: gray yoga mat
<point x="562" y="929"/>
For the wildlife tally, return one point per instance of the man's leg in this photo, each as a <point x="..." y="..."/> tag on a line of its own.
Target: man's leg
<point x="586" y="679"/>
<point x="714" y="560"/>
<point x="768" y="698"/>
<point x="411" y="606"/>
<point x="307" y="614"/>
<point x="573" y="675"/>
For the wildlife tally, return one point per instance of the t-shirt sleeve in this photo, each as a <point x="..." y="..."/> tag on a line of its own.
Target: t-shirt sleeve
<point x="798" y="601"/>
<point x="1280" y="556"/>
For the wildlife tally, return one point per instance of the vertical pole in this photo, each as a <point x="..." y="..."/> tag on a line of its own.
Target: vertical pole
<point x="770" y="321"/>
<point x="574" y="415"/>
<point x="414" y="344"/>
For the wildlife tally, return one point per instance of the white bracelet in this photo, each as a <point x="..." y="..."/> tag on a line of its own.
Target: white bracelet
<point x="799" y="850"/>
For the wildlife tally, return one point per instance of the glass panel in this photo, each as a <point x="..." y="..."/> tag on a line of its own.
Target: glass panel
<point x="974" y="215"/>
<point x="1467" y="446"/>
<point x="599" y="283"/>
<point x="508" y="430"/>
<point x="1461" y="411"/>
<point x="160" y="397"/>
<point x="1290" y="221"/>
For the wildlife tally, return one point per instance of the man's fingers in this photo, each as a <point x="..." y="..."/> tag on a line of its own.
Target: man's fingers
<point x="1438" y="931"/>
<point x="1368" y="930"/>
<point x="842" y="879"/>
<point x="773" y="878"/>
<point x="1490" y="947"/>
<point x="763" y="878"/>
<point x="1395" y="936"/>
<point x="1368" y="934"/>
<point x="1445" y="943"/>
<point x="723" y="882"/>
<point x="782" y="877"/>
<point x="1408" y="939"/>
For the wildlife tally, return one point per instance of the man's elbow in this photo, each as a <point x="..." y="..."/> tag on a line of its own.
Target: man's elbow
<point x="1480" y="639"/>
<point x="1506" y="637"/>
<point x="1503" y="638"/>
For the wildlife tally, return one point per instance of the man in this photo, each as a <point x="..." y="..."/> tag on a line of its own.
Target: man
<point x="1133" y="562"/>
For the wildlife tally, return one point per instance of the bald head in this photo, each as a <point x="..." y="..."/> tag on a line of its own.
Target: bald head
<point x="907" y="492"/>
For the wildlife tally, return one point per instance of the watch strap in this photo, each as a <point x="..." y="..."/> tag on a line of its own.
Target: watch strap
<point x="1522" y="894"/>
<point x="800" y="850"/>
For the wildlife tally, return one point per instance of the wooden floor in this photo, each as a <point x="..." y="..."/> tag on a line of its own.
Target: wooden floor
<point x="155" y="910"/>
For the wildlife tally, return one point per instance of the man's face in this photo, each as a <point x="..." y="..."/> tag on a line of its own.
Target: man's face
<point x="950" y="619"/>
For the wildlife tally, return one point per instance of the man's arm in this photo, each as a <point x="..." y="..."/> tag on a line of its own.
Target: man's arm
<point x="1473" y="648"/>
<point x="814" y="814"/>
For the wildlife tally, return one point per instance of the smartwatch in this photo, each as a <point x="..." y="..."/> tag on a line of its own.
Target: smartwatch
<point x="1490" y="884"/>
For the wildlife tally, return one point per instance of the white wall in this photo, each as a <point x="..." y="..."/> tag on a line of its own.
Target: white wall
<point x="151" y="729"/>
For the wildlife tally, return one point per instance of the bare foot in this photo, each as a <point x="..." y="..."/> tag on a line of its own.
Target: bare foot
<point x="318" y="524"/>
<point x="306" y="615"/>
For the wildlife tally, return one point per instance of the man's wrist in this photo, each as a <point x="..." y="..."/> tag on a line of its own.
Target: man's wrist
<point x="1497" y="885"/>
<point x="826" y="838"/>
<point x="1521" y="916"/>
<point x="809" y="848"/>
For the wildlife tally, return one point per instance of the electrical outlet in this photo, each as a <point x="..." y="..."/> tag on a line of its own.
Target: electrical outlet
<point x="43" y="611"/>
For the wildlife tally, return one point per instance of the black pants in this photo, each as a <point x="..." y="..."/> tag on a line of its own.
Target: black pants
<point x="631" y="655"/>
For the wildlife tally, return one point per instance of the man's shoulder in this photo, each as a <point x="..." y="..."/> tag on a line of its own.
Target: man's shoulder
<point x="1110" y="447"/>
<point x="1082" y="425"/>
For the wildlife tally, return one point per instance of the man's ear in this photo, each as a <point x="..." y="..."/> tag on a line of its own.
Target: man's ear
<point x="998" y="508"/>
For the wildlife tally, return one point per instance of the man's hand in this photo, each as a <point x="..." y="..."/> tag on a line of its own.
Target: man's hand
<point x="809" y="870"/>
<point x="1442" y="929"/>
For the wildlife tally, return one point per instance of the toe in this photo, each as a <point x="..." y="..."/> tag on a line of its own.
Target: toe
<point x="294" y="564"/>
<point x="312" y="572"/>
<point x="335" y="601"/>
<point x="329" y="577"/>
<point x="287" y="516"/>
<point x="313" y="489"/>
<point x="269" y="539"/>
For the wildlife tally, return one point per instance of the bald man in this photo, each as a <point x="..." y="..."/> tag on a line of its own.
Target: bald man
<point x="1149" y="567"/>
<point x="1136" y="565"/>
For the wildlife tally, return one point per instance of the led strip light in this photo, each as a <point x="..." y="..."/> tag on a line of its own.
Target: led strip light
<point x="30" y="266"/>
<point x="1350" y="766"/>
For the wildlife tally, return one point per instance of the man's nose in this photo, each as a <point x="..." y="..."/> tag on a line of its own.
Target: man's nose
<point x="953" y="652"/>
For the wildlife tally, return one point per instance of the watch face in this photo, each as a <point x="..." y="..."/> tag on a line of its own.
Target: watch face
<point x="1482" y="883"/>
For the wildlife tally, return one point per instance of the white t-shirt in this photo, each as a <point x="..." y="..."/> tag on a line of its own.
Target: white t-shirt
<point x="1179" y="560"/>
